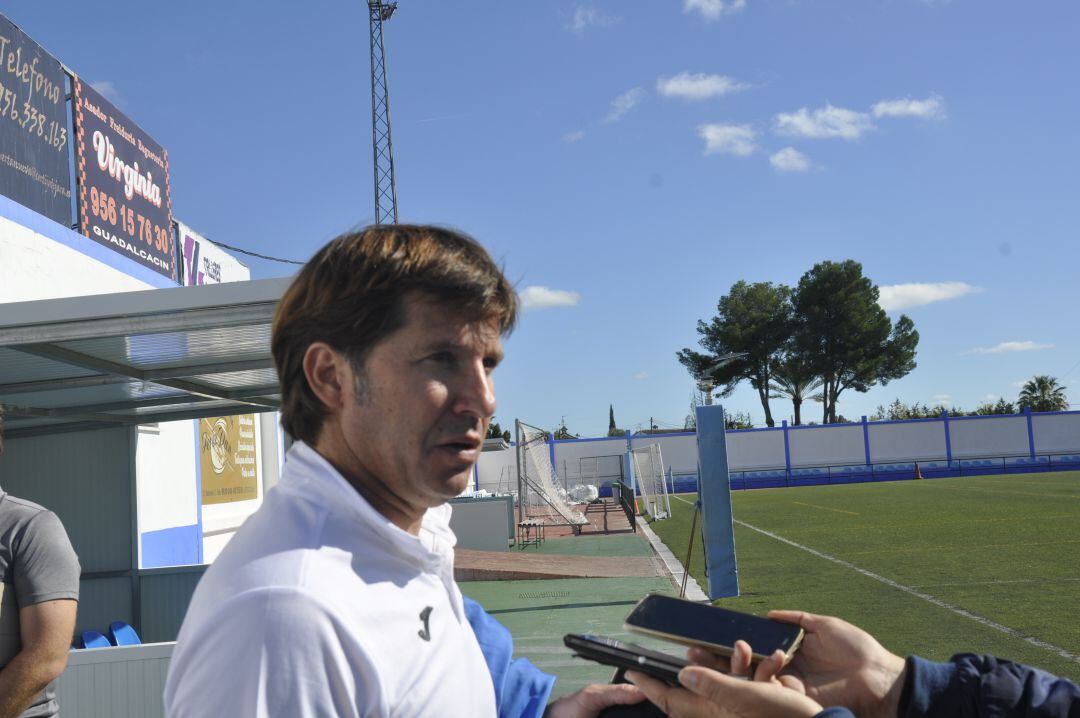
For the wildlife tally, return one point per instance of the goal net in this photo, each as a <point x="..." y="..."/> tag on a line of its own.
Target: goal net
<point x="540" y="497"/>
<point x="649" y="472"/>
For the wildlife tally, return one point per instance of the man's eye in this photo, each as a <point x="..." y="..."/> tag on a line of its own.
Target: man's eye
<point x="443" y="358"/>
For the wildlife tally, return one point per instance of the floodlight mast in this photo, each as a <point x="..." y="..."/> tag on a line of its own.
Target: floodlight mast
<point x="386" y="211"/>
<point x="706" y="382"/>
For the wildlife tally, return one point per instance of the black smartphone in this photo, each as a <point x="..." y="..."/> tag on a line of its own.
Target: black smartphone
<point x="626" y="655"/>
<point x="711" y="627"/>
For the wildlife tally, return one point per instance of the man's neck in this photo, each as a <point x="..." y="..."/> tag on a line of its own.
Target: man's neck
<point x="401" y="513"/>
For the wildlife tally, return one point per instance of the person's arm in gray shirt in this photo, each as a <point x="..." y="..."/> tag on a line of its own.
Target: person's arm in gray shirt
<point x="46" y="578"/>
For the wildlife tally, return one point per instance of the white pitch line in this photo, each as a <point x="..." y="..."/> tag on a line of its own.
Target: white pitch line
<point x="680" y="498"/>
<point x="924" y="596"/>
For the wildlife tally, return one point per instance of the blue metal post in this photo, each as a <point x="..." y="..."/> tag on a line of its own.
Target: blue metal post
<point x="198" y="494"/>
<point x="948" y="438"/>
<point x="866" y="439"/>
<point x="715" y="496"/>
<point x="787" y="452"/>
<point x="1031" y="432"/>
<point x="476" y="477"/>
<point x="551" y="453"/>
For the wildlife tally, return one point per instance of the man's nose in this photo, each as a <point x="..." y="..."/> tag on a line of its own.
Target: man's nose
<point x="476" y="392"/>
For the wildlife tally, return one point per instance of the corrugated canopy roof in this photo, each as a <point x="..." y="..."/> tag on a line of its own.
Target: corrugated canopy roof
<point x="138" y="357"/>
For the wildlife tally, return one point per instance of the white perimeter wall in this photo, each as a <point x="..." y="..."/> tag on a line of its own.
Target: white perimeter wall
<point x="757" y="449"/>
<point x="843" y="444"/>
<point x="678" y="451"/>
<point x="813" y="446"/>
<point x="568" y="456"/>
<point x="1056" y="433"/>
<point x="907" y="441"/>
<point x="999" y="436"/>
<point x="497" y="471"/>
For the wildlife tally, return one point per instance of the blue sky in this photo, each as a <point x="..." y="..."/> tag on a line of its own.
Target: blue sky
<point x="639" y="158"/>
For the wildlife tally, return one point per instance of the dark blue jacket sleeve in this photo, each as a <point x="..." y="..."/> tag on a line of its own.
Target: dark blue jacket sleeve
<point x="973" y="685"/>
<point x="521" y="689"/>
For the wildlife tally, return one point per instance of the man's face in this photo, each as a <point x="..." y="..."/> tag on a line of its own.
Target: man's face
<point x="418" y="412"/>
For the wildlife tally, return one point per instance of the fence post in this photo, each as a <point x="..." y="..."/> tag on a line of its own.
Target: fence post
<point x="1031" y="432"/>
<point x="948" y="438"/>
<point x="551" y="453"/>
<point x="866" y="440"/>
<point x="787" y="455"/>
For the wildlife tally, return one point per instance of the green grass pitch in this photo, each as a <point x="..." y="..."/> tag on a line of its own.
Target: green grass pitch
<point x="1004" y="549"/>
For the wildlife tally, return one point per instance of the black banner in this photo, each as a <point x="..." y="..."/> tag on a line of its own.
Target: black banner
<point x="33" y="126"/>
<point x="123" y="183"/>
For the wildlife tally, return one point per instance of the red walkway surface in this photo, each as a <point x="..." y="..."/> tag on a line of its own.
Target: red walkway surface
<point x="520" y="565"/>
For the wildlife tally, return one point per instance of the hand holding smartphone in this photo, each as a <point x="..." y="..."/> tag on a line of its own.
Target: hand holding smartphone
<point x="711" y="627"/>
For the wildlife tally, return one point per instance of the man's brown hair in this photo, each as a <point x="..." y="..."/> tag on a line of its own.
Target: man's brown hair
<point x="351" y="295"/>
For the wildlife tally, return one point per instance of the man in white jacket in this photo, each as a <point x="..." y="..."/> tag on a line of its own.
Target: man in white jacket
<point x="337" y="598"/>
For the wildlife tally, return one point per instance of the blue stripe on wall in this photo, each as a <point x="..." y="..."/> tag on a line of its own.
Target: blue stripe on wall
<point x="178" y="546"/>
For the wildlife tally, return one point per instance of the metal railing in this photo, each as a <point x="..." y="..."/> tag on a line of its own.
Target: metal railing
<point x="901" y="469"/>
<point x="625" y="496"/>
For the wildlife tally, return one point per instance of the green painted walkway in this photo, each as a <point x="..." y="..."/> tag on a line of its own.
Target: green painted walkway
<point x="540" y="613"/>
<point x="611" y="545"/>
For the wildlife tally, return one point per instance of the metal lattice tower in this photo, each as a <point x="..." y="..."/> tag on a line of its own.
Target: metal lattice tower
<point x="383" y="148"/>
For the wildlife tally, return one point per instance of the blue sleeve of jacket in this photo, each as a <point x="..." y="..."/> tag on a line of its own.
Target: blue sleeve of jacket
<point x="973" y="685"/>
<point x="521" y="689"/>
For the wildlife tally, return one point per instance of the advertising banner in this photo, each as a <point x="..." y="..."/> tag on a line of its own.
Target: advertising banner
<point x="123" y="184"/>
<point x="203" y="262"/>
<point x="33" y="126"/>
<point x="228" y="463"/>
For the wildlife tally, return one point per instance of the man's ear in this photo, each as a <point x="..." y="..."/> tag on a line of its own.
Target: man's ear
<point x="327" y="373"/>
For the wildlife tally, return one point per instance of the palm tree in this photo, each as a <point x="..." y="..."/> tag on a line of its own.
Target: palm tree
<point x="794" y="379"/>
<point x="1043" y="393"/>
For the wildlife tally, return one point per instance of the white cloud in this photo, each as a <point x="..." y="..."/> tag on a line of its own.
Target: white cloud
<point x="641" y="375"/>
<point x="713" y="10"/>
<point x="893" y="297"/>
<point x="587" y="16"/>
<point x="108" y="90"/>
<point x="624" y="103"/>
<point x="990" y="397"/>
<point x="698" y="86"/>
<point x="940" y="399"/>
<point x="824" y="123"/>
<point x="790" y="159"/>
<point x="538" y="297"/>
<point x="1026" y="346"/>
<point x="735" y="140"/>
<point x="1019" y="384"/>
<point x="932" y="108"/>
<point x="572" y="137"/>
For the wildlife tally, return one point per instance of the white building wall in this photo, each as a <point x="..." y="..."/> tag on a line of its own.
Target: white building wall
<point x="35" y="266"/>
<point x="165" y="469"/>
<point x="220" y="522"/>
